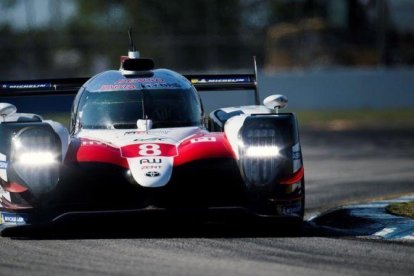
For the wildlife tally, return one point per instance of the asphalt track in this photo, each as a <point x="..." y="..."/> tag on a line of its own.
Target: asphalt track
<point x="341" y="167"/>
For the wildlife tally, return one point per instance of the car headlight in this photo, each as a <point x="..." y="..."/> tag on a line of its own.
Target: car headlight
<point x="259" y="153"/>
<point x="41" y="158"/>
<point x="263" y="151"/>
<point x="36" y="157"/>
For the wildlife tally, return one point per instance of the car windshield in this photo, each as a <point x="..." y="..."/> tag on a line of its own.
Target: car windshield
<point x="122" y="109"/>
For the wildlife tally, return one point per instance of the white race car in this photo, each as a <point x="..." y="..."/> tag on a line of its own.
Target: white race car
<point x="138" y="139"/>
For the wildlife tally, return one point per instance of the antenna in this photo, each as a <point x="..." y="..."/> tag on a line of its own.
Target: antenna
<point x="143" y="105"/>
<point x="131" y="41"/>
<point x="256" y="88"/>
<point x="133" y="63"/>
<point x="132" y="52"/>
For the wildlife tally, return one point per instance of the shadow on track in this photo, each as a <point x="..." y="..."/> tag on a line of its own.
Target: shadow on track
<point x="153" y="226"/>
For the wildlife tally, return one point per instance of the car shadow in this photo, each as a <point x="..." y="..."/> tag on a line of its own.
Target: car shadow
<point x="147" y="228"/>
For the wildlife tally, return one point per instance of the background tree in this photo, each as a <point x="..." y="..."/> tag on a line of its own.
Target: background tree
<point x="189" y="35"/>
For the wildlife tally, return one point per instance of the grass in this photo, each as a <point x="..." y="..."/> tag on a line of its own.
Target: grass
<point x="357" y="119"/>
<point x="405" y="209"/>
<point x="63" y="117"/>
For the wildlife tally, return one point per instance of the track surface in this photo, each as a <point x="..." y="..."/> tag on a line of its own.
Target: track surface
<point x="340" y="167"/>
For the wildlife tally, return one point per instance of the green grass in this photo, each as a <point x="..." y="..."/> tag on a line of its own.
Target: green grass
<point x="357" y="119"/>
<point x="63" y="118"/>
<point x="405" y="209"/>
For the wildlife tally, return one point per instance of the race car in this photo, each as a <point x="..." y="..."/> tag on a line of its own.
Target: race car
<point x="139" y="140"/>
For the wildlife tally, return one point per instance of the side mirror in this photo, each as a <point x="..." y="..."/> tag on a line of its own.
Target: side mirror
<point x="275" y="102"/>
<point x="7" y="109"/>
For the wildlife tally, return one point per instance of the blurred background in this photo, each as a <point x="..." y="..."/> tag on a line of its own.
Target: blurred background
<point x="324" y="55"/>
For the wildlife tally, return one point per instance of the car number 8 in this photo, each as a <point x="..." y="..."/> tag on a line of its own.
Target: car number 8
<point x="149" y="150"/>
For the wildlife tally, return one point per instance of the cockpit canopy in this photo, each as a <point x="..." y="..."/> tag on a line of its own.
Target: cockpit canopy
<point x="113" y="101"/>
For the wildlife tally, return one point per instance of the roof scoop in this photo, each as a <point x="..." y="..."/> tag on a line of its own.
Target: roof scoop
<point x="133" y="64"/>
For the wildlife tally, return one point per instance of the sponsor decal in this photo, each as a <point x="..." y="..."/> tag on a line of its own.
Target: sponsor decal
<point x="219" y="80"/>
<point x="152" y="174"/>
<point x="290" y="210"/>
<point x="131" y="132"/>
<point x="150" y="161"/>
<point x="203" y="139"/>
<point x="92" y="143"/>
<point x="3" y="165"/>
<point x="140" y="80"/>
<point x="151" y="167"/>
<point x="109" y="87"/>
<point x="161" y="85"/>
<point x="150" y="139"/>
<point x="27" y="86"/>
<point x="296" y="155"/>
<point x="12" y="218"/>
<point x="151" y="132"/>
<point x="165" y="132"/>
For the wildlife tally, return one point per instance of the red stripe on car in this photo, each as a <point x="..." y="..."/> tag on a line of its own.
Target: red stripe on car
<point x="297" y="176"/>
<point x="93" y="151"/>
<point x="203" y="146"/>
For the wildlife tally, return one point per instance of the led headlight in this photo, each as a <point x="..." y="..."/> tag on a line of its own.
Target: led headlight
<point x="36" y="157"/>
<point x="40" y="158"/>
<point x="262" y="150"/>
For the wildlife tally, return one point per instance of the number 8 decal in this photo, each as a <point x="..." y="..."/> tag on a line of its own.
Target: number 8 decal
<point x="149" y="150"/>
<point x="136" y="150"/>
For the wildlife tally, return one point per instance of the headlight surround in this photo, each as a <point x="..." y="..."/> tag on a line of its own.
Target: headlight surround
<point x="36" y="155"/>
<point x="259" y="153"/>
<point x="36" y="146"/>
<point x="265" y="150"/>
